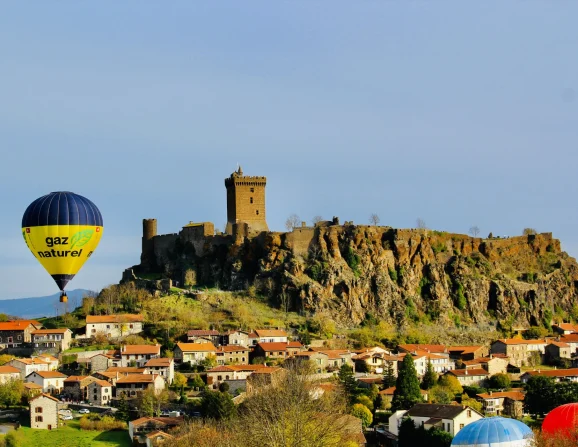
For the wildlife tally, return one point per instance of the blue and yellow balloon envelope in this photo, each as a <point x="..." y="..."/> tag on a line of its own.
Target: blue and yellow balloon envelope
<point x="62" y="230"/>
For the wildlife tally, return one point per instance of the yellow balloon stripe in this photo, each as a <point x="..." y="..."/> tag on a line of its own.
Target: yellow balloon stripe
<point x="62" y="249"/>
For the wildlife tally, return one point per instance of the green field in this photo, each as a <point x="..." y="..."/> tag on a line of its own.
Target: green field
<point x="71" y="436"/>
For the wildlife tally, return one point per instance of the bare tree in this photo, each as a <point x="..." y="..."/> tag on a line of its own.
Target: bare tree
<point x="374" y="219"/>
<point x="421" y="224"/>
<point x="292" y="222"/>
<point x="528" y="231"/>
<point x="474" y="231"/>
<point x="316" y="220"/>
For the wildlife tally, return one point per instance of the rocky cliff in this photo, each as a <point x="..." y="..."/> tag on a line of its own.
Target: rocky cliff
<point x="400" y="276"/>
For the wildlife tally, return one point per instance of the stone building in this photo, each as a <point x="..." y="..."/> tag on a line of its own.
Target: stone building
<point x="99" y="392"/>
<point x="246" y="202"/>
<point x="519" y="351"/>
<point x="194" y="353"/>
<point x="75" y="387"/>
<point x="114" y="326"/>
<point x="134" y="384"/>
<point x="14" y="333"/>
<point x="139" y="354"/>
<point x="101" y="362"/>
<point x="164" y="367"/>
<point x="44" y="412"/>
<point x="52" y="339"/>
<point x="232" y="354"/>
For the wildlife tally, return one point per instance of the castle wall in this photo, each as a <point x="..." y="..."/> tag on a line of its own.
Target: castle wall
<point x="299" y="240"/>
<point x="149" y="231"/>
<point x="164" y="244"/>
<point x="197" y="235"/>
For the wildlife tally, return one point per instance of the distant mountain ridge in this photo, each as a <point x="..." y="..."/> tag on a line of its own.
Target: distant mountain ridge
<point x="44" y="306"/>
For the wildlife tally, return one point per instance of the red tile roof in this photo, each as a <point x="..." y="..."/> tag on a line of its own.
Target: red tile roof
<point x="196" y="347"/>
<point x="102" y="382"/>
<point x="273" y="346"/>
<point x="519" y="341"/>
<point x="137" y="378"/>
<point x="270" y="333"/>
<point x="554" y="372"/>
<point x="50" y="374"/>
<point x="559" y="344"/>
<point x="124" y="318"/>
<point x="514" y="395"/>
<point x="45" y="395"/>
<point x="141" y="350"/>
<point x="159" y="362"/>
<point x="231" y="368"/>
<point x="419" y="347"/>
<point x="7" y="369"/>
<point x="49" y="331"/>
<point x="18" y="325"/>
<point x="232" y="348"/>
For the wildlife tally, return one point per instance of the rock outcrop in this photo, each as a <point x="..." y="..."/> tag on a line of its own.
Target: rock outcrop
<point x="401" y="276"/>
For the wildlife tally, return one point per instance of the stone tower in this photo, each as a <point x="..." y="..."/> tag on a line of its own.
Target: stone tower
<point x="149" y="231"/>
<point x="246" y="201"/>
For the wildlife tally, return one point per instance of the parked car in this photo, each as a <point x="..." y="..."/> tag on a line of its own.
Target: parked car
<point x="67" y="417"/>
<point x="84" y="411"/>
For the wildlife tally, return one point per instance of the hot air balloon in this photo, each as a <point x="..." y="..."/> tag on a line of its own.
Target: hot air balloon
<point x="562" y="422"/>
<point x="494" y="431"/>
<point x="62" y="230"/>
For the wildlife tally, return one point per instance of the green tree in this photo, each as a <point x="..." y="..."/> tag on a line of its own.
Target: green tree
<point x="409" y="434"/>
<point x="540" y="395"/>
<point x="474" y="404"/>
<point x="180" y="381"/>
<point x="348" y="382"/>
<point x="388" y="375"/>
<point x="364" y="400"/>
<point x="430" y="377"/>
<point x="441" y="395"/>
<point x="11" y="393"/>
<point x="217" y="405"/>
<point x="197" y="382"/>
<point x="362" y="412"/>
<point x="452" y="383"/>
<point x="500" y="381"/>
<point x="122" y="414"/>
<point x="407" y="392"/>
<point x="149" y="402"/>
<point x="224" y="387"/>
<point x="436" y="437"/>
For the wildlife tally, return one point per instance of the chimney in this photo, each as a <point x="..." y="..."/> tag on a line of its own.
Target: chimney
<point x="491" y="392"/>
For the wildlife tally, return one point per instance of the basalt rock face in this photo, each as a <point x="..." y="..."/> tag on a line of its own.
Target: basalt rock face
<point x="399" y="276"/>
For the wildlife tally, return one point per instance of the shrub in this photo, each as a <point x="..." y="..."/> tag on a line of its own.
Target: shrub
<point x="106" y="423"/>
<point x="352" y="260"/>
<point x="393" y="275"/>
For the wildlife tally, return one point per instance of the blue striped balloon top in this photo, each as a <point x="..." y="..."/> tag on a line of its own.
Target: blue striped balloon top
<point x="62" y="208"/>
<point x="493" y="431"/>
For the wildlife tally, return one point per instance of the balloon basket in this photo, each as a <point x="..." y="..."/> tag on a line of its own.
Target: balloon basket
<point x="63" y="298"/>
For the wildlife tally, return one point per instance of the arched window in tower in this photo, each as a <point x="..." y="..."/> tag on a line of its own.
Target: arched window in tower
<point x="251" y="199"/>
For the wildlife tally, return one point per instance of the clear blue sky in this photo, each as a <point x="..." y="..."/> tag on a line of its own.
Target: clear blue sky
<point x="461" y="113"/>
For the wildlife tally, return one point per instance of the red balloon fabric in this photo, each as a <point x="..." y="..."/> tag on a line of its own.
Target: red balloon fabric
<point x="562" y="420"/>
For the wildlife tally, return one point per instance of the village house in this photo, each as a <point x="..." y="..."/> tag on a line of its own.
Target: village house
<point x="519" y="351"/>
<point x="194" y="353"/>
<point x="467" y="352"/>
<point x="237" y="337"/>
<point x="470" y="377"/>
<point x="230" y="372"/>
<point x="52" y="339"/>
<point x="232" y="354"/>
<point x="433" y="349"/>
<point x="8" y="373"/>
<point x="376" y="362"/>
<point x="565" y="328"/>
<point x="387" y="396"/>
<point x="50" y="381"/>
<point x="114" y="326"/>
<point x="134" y="384"/>
<point x="53" y="362"/>
<point x="101" y="362"/>
<point x="264" y="378"/>
<point x="99" y="392"/>
<point x="328" y="360"/>
<point x="559" y="375"/>
<point x="271" y="336"/>
<point x="31" y="390"/>
<point x="572" y="340"/>
<point x="140" y="428"/>
<point x="163" y="367"/>
<point x="556" y="350"/>
<point x="27" y="366"/>
<point x="449" y="418"/>
<point x="138" y="355"/>
<point x="200" y="335"/>
<point x="14" y="333"/>
<point x="276" y="350"/>
<point x="44" y="412"/>
<point x="75" y="387"/>
<point x="440" y="362"/>
<point x="502" y="403"/>
<point x="157" y="438"/>
<point x="494" y="365"/>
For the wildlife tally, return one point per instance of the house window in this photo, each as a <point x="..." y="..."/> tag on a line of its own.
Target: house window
<point x="461" y="426"/>
<point x="38" y="419"/>
<point x="94" y="331"/>
<point x="251" y="200"/>
<point x="130" y="326"/>
<point x="108" y="326"/>
<point x="257" y="212"/>
<point x="252" y="189"/>
<point x="20" y="337"/>
<point x="469" y="413"/>
<point x="38" y="409"/>
<point x="9" y="339"/>
<point x="219" y="377"/>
